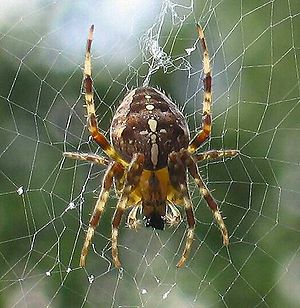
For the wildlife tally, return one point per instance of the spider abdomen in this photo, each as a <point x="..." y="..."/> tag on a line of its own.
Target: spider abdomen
<point x="148" y="122"/>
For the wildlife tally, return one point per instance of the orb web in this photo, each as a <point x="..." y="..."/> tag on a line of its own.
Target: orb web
<point x="46" y="200"/>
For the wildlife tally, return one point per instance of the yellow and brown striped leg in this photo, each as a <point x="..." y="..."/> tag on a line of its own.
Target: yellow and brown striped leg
<point x="193" y="170"/>
<point x="191" y="225"/>
<point x="207" y="98"/>
<point x="215" y="154"/>
<point x="89" y="100"/>
<point x="132" y="179"/>
<point x="177" y="173"/>
<point x="93" y="158"/>
<point x="99" y="207"/>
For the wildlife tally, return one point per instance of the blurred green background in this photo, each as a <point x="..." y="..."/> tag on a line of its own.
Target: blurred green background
<point x="46" y="200"/>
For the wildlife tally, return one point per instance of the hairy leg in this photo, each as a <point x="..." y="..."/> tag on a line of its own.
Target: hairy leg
<point x="177" y="173"/>
<point x="92" y="123"/>
<point x="215" y="154"/>
<point x="193" y="170"/>
<point x="133" y="176"/>
<point x="207" y="97"/>
<point x="93" y="158"/>
<point x="98" y="210"/>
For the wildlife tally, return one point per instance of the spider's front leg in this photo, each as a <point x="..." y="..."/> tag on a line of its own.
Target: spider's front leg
<point x="112" y="170"/>
<point x="177" y="172"/>
<point x="189" y="211"/>
<point x="132" y="179"/>
<point x="193" y="170"/>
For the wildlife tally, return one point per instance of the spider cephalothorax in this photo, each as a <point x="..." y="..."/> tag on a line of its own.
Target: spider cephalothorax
<point x="149" y="159"/>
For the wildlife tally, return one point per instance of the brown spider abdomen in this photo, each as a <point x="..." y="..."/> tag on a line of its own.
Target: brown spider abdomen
<point x="148" y="122"/>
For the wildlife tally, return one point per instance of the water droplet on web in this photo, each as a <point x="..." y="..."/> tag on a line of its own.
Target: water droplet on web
<point x="48" y="273"/>
<point x="91" y="278"/>
<point x="71" y="206"/>
<point x="190" y="50"/>
<point x="144" y="291"/>
<point x="121" y="273"/>
<point x="166" y="294"/>
<point x="20" y="191"/>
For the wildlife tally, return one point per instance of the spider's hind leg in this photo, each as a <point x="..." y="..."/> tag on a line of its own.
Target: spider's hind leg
<point x="207" y="97"/>
<point x="93" y="158"/>
<point x="92" y="123"/>
<point x="215" y="154"/>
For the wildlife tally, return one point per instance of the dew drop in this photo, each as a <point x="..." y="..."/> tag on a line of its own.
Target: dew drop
<point x="20" y="191"/>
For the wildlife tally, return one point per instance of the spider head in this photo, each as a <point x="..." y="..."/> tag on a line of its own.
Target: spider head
<point x="155" y="221"/>
<point x="154" y="214"/>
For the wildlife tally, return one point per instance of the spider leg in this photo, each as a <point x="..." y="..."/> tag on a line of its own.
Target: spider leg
<point x="96" y="159"/>
<point x="193" y="170"/>
<point x="99" y="138"/>
<point x="99" y="207"/>
<point x="177" y="172"/>
<point x="207" y="97"/>
<point x="133" y="176"/>
<point x="215" y="154"/>
<point x="191" y="225"/>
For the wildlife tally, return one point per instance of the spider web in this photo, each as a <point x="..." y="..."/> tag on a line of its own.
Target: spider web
<point x="46" y="200"/>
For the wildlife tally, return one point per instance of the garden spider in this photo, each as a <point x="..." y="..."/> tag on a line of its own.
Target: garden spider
<point x="149" y="157"/>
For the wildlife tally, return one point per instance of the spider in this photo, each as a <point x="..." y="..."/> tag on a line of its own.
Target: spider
<point x="149" y="158"/>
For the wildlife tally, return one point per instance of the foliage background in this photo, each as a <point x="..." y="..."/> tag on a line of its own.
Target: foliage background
<point x="45" y="200"/>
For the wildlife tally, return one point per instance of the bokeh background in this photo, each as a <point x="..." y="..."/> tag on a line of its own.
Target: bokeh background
<point x="46" y="200"/>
